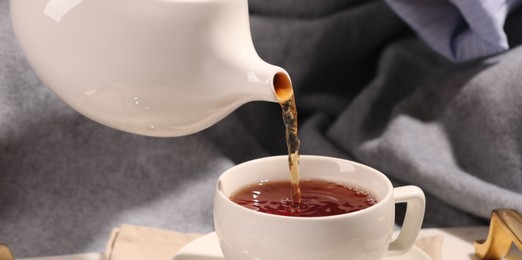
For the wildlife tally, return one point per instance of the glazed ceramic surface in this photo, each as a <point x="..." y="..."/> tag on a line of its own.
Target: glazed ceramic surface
<point x="365" y="234"/>
<point x="151" y="67"/>
<point x="207" y="248"/>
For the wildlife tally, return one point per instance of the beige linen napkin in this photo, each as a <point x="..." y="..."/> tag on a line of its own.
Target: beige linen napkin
<point x="431" y="245"/>
<point x="130" y="242"/>
<point x="137" y="243"/>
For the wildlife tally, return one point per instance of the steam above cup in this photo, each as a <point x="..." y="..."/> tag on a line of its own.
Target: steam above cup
<point x="149" y="67"/>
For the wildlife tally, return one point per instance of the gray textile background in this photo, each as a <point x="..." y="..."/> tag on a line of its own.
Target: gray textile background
<point x="367" y="89"/>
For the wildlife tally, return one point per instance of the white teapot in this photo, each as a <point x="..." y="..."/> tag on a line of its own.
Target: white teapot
<point x="150" y="67"/>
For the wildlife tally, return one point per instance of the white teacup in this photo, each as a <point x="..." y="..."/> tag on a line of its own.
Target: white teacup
<point x="246" y="234"/>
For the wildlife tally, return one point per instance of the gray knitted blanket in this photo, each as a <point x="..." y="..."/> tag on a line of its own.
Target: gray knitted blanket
<point x="367" y="89"/>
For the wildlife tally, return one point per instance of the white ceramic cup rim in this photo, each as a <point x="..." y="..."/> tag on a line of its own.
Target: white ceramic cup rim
<point x="384" y="181"/>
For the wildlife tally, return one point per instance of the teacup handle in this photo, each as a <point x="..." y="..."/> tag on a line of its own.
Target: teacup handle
<point x="416" y="203"/>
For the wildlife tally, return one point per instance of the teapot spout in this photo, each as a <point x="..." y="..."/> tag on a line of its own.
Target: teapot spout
<point x="283" y="87"/>
<point x="272" y="84"/>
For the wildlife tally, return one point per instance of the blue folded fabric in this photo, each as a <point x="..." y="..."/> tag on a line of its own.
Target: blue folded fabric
<point x="458" y="29"/>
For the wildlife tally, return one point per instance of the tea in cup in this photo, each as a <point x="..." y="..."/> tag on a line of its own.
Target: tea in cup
<point x="347" y="211"/>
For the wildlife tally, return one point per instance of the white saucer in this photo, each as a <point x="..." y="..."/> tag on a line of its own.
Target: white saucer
<point x="207" y="248"/>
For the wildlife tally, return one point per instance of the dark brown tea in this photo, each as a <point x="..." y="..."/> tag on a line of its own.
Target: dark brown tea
<point x="318" y="198"/>
<point x="293" y="143"/>
<point x="285" y="95"/>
